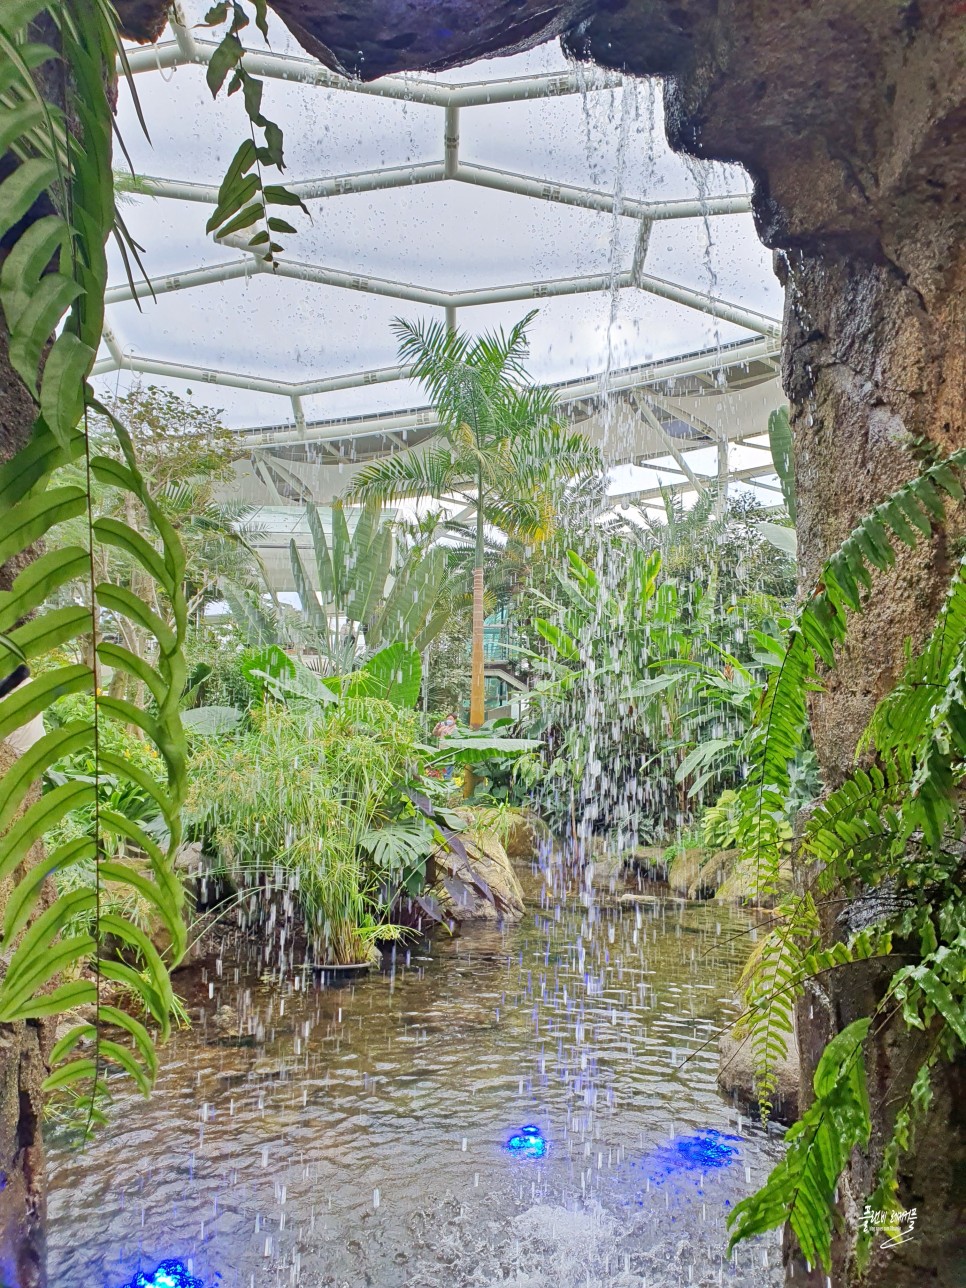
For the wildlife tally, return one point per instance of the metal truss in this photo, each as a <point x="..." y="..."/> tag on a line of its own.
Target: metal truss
<point x="186" y="49"/>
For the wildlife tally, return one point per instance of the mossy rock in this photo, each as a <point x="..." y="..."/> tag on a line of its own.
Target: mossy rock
<point x="483" y="887"/>
<point x="525" y="834"/>
<point x="650" y="860"/>
<point x="713" y="873"/>
<point x="684" y="870"/>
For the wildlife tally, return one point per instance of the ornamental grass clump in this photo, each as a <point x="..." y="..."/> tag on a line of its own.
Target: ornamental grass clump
<point x="294" y="795"/>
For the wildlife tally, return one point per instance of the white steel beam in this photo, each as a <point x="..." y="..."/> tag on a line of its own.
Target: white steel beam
<point x="718" y="308"/>
<point x="405" y="176"/>
<point x="432" y="296"/>
<point x="568" y="194"/>
<point x="569" y="393"/>
<point x="233" y="268"/>
<point x="409" y="89"/>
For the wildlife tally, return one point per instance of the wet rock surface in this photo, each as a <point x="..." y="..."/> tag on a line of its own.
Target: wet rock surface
<point x="480" y="887"/>
<point x="736" y="1078"/>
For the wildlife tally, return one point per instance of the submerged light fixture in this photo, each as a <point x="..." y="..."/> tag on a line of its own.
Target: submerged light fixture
<point x="528" y="1142"/>
<point x="169" y="1274"/>
<point x="704" y="1151"/>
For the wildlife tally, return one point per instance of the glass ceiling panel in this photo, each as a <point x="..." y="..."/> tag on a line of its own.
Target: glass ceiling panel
<point x="516" y="211"/>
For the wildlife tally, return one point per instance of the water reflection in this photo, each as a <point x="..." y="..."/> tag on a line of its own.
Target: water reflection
<point x="359" y="1136"/>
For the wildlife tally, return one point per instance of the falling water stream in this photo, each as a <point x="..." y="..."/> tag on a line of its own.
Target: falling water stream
<point x="364" y="1135"/>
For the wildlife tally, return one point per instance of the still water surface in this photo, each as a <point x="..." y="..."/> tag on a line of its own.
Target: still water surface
<point x="358" y="1136"/>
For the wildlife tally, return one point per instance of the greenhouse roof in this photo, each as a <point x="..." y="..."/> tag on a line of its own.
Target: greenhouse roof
<point x="477" y="195"/>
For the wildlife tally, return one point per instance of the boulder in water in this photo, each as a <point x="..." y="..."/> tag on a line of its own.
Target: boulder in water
<point x="478" y="885"/>
<point x="736" y="1077"/>
<point x="684" y="870"/>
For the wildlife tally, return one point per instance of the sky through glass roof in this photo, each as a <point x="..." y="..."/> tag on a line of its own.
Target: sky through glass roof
<point x="449" y="239"/>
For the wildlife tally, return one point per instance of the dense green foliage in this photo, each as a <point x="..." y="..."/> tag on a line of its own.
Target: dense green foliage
<point x="654" y="648"/>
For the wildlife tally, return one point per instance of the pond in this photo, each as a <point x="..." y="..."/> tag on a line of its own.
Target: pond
<point x="505" y="1108"/>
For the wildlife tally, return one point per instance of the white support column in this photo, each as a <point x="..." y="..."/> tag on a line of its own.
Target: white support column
<point x="451" y="141"/>
<point x="721" y="500"/>
<point x="640" y="249"/>
<point x="299" y="414"/>
<point x="183" y="34"/>
<point x="673" y="451"/>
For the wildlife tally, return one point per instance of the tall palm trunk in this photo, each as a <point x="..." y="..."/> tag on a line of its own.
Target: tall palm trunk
<point x="477" y="708"/>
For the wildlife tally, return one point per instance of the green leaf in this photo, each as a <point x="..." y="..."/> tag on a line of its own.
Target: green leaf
<point x="26" y="263"/>
<point x="394" y="674"/>
<point x="39" y="580"/>
<point x="212" y="721"/>
<point x="562" y="643"/>
<point x="62" y="389"/>
<point x="120" y="658"/>
<point x="69" y="1074"/>
<point x="467" y="751"/>
<point x="29" y="520"/>
<point x="25" y="185"/>
<point x="227" y="56"/>
<point x="142" y="1039"/>
<point x="121" y="536"/>
<point x="28" y="700"/>
<point x="39" y="635"/>
<point x="154" y="966"/>
<point x="118" y="599"/>
<point x="79" y="992"/>
<point x="782" y="538"/>
<point x="244" y="219"/>
<point x="23" y="900"/>
<point x="121" y="1056"/>
<point x="801" y="1189"/>
<point x="275" y="194"/>
<point x="20" y="777"/>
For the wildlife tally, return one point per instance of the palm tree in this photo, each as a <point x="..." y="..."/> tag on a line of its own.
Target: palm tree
<point x="503" y="455"/>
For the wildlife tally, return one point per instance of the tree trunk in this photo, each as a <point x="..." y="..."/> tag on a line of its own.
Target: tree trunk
<point x="24" y="1052"/>
<point x="477" y="703"/>
<point x="477" y="685"/>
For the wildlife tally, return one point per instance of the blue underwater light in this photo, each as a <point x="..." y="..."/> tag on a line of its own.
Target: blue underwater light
<point x="169" y="1274"/>
<point x="702" y="1152"/>
<point x="528" y="1142"/>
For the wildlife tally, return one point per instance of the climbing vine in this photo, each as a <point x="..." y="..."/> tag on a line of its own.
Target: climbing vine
<point x="244" y="197"/>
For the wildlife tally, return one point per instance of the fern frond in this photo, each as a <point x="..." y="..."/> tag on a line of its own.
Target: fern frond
<point x="801" y="1189"/>
<point x="57" y="265"/>
<point x="774" y="978"/>
<point x="777" y="736"/>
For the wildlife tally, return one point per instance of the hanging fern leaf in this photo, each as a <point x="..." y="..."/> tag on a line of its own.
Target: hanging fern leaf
<point x="243" y="197"/>
<point x="54" y="276"/>
<point x="801" y="1189"/>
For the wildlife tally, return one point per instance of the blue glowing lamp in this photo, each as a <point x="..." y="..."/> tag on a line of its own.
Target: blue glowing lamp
<point x="528" y="1142"/>
<point x="705" y="1151"/>
<point x="169" y="1274"/>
